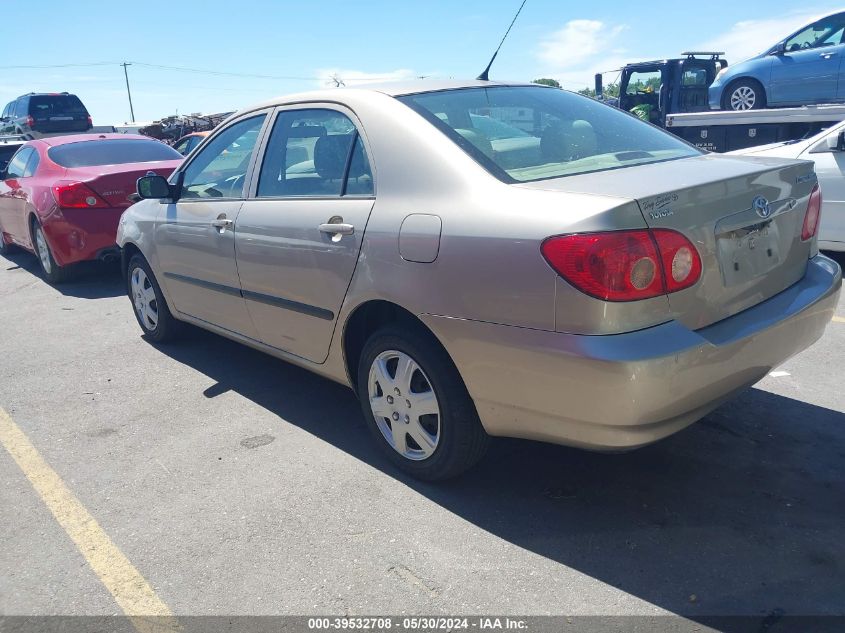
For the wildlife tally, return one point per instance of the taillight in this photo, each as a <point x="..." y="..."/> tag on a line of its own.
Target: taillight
<point x="30" y="122"/>
<point x="90" y="121"/>
<point x="811" y="217"/>
<point x="77" y="195"/>
<point x="625" y="265"/>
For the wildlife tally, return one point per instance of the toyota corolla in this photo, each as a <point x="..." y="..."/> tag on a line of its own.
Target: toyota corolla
<point x="578" y="277"/>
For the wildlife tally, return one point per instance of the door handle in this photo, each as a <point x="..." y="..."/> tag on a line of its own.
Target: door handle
<point x="826" y="55"/>
<point x="337" y="228"/>
<point x="222" y="222"/>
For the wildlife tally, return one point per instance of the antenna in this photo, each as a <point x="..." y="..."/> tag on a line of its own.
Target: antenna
<point x="484" y="76"/>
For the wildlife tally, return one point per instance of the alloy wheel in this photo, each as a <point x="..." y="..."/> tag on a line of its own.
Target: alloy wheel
<point x="144" y="299"/>
<point x="404" y="405"/>
<point x="743" y="98"/>
<point x="43" y="250"/>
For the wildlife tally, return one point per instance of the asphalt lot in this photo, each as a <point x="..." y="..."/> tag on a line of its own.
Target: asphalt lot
<point x="238" y="484"/>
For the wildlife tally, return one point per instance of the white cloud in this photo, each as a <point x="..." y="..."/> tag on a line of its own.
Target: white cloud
<point x="328" y="76"/>
<point x="751" y="37"/>
<point x="582" y="48"/>
<point x="578" y="42"/>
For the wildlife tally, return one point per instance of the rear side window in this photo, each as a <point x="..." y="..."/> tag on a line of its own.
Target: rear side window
<point x="56" y="105"/>
<point x="111" y="152"/>
<point x="314" y="153"/>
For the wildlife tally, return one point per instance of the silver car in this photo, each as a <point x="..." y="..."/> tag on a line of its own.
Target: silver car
<point x="478" y="259"/>
<point x="827" y="150"/>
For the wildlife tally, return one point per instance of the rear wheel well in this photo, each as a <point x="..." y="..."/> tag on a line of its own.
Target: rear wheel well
<point x="366" y="319"/>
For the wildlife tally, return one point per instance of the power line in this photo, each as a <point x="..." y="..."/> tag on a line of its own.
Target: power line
<point x="202" y="71"/>
<point x="47" y="66"/>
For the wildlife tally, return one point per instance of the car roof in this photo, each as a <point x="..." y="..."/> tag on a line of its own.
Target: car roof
<point x="393" y="89"/>
<point x="53" y="141"/>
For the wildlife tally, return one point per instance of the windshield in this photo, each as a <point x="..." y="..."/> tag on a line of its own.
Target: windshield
<point x="111" y="152"/>
<point x="552" y="133"/>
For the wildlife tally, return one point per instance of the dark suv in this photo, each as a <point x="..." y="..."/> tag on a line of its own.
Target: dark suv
<point x="35" y="115"/>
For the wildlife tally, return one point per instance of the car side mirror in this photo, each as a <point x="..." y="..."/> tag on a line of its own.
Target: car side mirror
<point x="153" y="186"/>
<point x="779" y="49"/>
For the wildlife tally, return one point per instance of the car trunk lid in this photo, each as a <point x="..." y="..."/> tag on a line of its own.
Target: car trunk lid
<point x="747" y="257"/>
<point x="114" y="183"/>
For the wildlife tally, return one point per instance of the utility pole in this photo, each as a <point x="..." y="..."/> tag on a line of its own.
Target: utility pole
<point x="126" y="74"/>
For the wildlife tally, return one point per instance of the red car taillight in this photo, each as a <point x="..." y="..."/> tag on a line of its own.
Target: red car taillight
<point x="30" y="122"/>
<point x="625" y="265"/>
<point x="77" y="195"/>
<point x="90" y="121"/>
<point x="811" y="218"/>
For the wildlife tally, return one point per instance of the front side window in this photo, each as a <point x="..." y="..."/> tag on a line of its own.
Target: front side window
<point x="182" y="146"/>
<point x="827" y="32"/>
<point x="17" y="166"/>
<point x="219" y="169"/>
<point x="556" y="133"/>
<point x="314" y="153"/>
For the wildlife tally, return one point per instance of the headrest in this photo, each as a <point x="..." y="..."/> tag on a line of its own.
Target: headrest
<point x="330" y="154"/>
<point x="479" y="141"/>
<point x="568" y="140"/>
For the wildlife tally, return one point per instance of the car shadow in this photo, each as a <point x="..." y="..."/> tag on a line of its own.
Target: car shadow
<point x="89" y="280"/>
<point x="742" y="513"/>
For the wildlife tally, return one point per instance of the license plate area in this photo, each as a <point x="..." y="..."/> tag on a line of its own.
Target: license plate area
<point x="61" y="118"/>
<point x="748" y="252"/>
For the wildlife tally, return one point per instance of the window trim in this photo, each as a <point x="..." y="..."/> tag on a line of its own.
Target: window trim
<point x="30" y="169"/>
<point x="178" y="174"/>
<point x="360" y="133"/>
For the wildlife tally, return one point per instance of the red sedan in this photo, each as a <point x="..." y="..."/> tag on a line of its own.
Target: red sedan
<point x="62" y="197"/>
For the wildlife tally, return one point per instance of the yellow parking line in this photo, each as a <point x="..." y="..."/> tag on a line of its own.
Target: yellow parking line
<point x="131" y="592"/>
<point x="837" y="319"/>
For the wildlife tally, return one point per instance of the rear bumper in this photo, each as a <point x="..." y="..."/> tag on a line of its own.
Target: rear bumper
<point x="622" y="391"/>
<point x="82" y="234"/>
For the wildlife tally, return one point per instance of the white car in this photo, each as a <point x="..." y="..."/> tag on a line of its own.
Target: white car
<point x="827" y="150"/>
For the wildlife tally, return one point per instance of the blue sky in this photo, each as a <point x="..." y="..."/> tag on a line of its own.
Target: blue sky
<point x="301" y="45"/>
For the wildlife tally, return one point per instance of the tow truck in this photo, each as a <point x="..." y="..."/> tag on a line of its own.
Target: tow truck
<point x="672" y="93"/>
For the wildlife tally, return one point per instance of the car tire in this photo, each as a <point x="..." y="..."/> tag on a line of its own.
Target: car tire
<point x="6" y="247"/>
<point x="148" y="303"/>
<point x="744" y="94"/>
<point x="53" y="273"/>
<point x="429" y="446"/>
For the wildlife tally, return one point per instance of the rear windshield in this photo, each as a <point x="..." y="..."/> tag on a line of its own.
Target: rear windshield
<point x="111" y="152"/>
<point x="521" y="134"/>
<point x="56" y="105"/>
